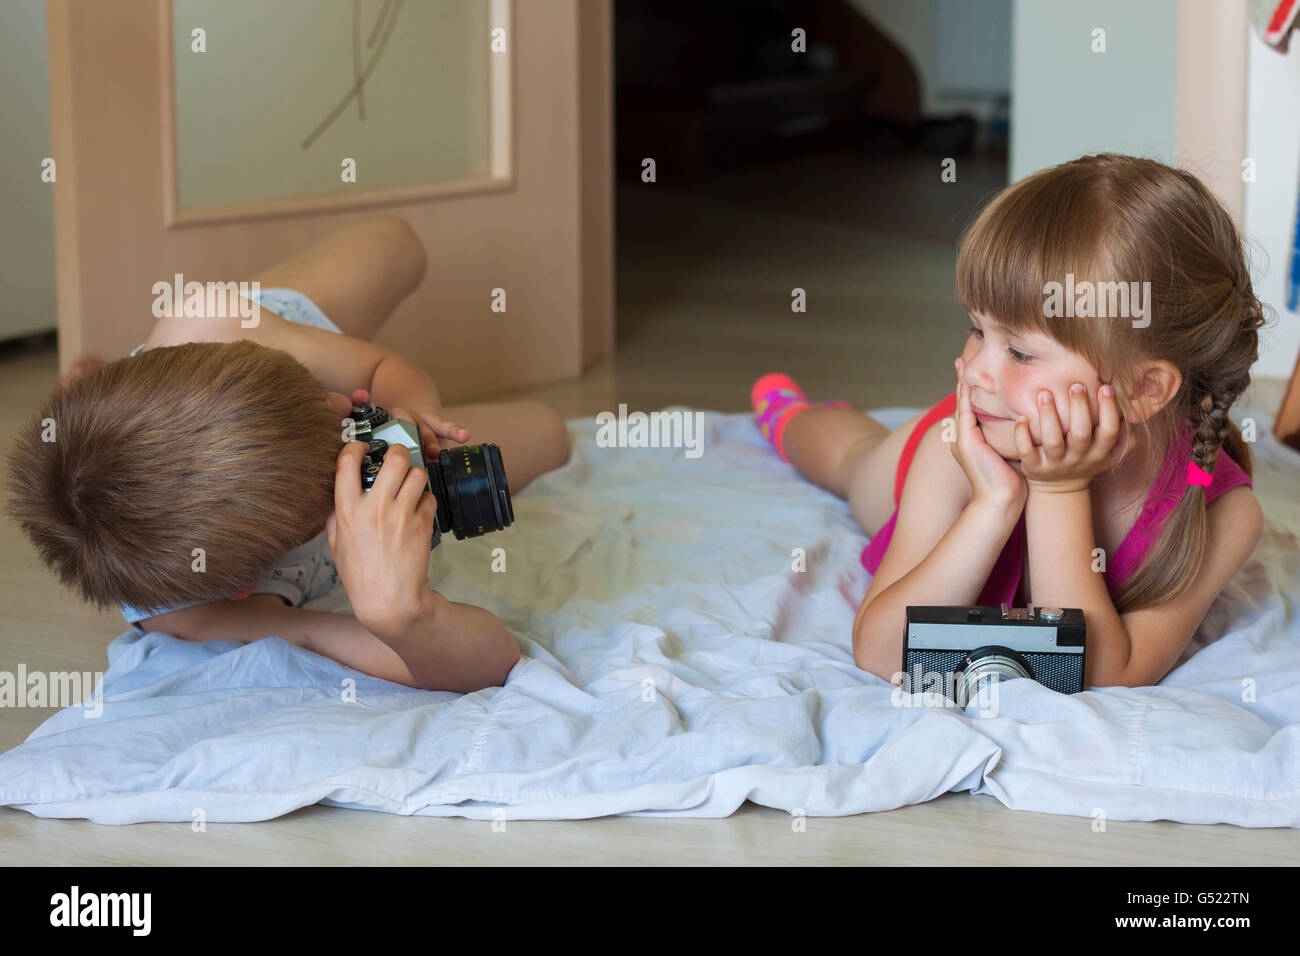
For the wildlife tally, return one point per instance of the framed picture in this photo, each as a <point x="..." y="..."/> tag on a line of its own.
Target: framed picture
<point x="301" y="106"/>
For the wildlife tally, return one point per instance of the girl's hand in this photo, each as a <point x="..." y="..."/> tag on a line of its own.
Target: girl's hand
<point x="988" y="472"/>
<point x="1064" y="463"/>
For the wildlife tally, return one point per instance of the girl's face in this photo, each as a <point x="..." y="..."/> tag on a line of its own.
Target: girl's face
<point x="1006" y="372"/>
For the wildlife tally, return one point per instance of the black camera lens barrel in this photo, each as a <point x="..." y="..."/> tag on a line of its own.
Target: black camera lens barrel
<point x="468" y="481"/>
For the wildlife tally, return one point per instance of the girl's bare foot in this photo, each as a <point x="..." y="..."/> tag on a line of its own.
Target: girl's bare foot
<point x="80" y="367"/>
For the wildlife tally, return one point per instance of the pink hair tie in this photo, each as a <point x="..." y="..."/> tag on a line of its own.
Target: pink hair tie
<point x="1196" y="475"/>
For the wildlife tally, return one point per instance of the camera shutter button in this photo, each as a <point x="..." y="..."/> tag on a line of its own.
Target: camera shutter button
<point x="1050" y="614"/>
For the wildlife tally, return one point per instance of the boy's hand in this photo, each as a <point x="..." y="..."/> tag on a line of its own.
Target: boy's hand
<point x="430" y="422"/>
<point x="441" y="428"/>
<point x="380" y="538"/>
<point x="1069" y="462"/>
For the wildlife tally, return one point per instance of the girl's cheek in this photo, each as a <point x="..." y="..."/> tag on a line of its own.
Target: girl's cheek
<point x="1027" y="391"/>
<point x="1028" y="406"/>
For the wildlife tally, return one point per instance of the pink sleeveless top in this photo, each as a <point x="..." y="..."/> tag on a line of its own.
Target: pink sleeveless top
<point x="1004" y="580"/>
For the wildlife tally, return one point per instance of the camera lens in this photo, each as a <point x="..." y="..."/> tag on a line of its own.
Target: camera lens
<point x="469" y="482"/>
<point x="985" y="665"/>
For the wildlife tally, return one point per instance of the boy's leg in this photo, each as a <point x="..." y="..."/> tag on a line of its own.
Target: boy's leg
<point x="357" y="274"/>
<point x="532" y="436"/>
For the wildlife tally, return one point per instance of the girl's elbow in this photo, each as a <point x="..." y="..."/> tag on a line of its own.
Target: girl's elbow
<point x="872" y="654"/>
<point x="1135" y="675"/>
<point x="506" y="661"/>
<point x="861" y="649"/>
<point x="495" y="667"/>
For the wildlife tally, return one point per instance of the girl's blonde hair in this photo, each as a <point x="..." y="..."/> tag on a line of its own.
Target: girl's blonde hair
<point x="226" y="447"/>
<point x="1112" y="218"/>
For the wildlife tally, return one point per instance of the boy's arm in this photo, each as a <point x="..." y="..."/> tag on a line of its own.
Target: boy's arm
<point x="339" y="362"/>
<point x="458" y="646"/>
<point x="460" y="661"/>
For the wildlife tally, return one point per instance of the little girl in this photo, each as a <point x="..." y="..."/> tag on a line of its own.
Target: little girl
<point x="1086" y="458"/>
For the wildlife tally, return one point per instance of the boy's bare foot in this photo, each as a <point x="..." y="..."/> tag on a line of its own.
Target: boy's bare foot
<point x="80" y="367"/>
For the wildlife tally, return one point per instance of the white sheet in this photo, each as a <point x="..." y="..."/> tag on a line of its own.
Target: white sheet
<point x="676" y="664"/>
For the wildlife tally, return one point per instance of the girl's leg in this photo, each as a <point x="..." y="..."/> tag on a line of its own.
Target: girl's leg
<point x="357" y="275"/>
<point x="532" y="436"/>
<point x="852" y="456"/>
<point x="825" y="444"/>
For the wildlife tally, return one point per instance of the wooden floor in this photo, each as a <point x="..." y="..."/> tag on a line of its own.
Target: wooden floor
<point x="705" y="275"/>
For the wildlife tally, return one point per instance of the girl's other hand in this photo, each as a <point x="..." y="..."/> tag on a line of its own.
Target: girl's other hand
<point x="1069" y="462"/>
<point x="991" y="478"/>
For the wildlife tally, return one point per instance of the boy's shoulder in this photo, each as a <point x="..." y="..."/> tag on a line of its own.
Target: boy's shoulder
<point x="338" y="362"/>
<point x="305" y="573"/>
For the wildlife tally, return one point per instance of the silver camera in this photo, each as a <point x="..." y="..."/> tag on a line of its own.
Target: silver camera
<point x="959" y="649"/>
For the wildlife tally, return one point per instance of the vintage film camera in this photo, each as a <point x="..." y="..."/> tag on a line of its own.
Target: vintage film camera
<point x="469" y="481"/>
<point x="967" y="646"/>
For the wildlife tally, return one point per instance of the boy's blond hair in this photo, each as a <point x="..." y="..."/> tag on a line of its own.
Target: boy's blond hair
<point x="226" y="447"/>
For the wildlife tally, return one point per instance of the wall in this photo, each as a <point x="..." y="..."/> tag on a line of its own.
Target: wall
<point x="1273" y="141"/>
<point x="26" y="210"/>
<point x="926" y="29"/>
<point x="1068" y="101"/>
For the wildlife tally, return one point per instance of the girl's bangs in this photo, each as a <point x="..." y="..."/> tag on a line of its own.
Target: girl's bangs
<point x="1039" y="231"/>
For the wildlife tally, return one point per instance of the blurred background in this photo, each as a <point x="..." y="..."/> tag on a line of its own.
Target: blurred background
<point x="796" y="145"/>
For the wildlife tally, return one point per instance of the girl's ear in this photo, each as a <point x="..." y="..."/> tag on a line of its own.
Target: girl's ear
<point x="1158" y="382"/>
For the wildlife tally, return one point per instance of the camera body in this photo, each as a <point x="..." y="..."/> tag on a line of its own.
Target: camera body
<point x="469" y="481"/>
<point x="966" y="646"/>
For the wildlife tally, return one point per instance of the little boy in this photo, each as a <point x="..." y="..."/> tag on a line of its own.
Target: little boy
<point x="200" y="483"/>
